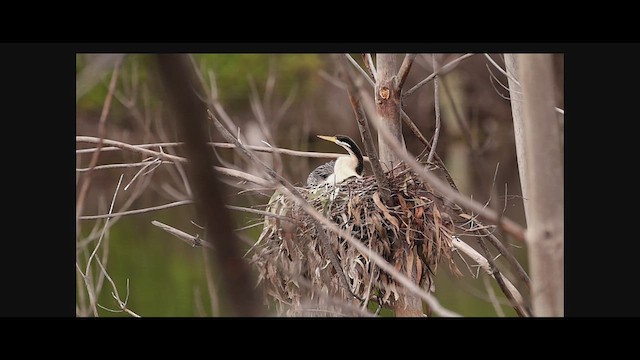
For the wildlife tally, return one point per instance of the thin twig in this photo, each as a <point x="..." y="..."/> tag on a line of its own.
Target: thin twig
<point x="436" y="97"/>
<point x="221" y="170"/>
<point x="445" y="69"/>
<point x="492" y="296"/>
<point x="368" y="62"/>
<point x="484" y="263"/>
<point x="404" y="70"/>
<point x="360" y="69"/>
<point x="516" y="303"/>
<point x="138" y="211"/>
<point x="266" y="149"/>
<point x="501" y="69"/>
<point x="101" y="134"/>
<point x="188" y="238"/>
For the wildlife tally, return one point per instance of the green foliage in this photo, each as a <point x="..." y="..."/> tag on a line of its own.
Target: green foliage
<point x="233" y="73"/>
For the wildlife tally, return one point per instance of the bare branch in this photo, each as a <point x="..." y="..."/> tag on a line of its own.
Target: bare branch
<point x="187" y="238"/>
<point x="267" y="149"/>
<point x="404" y="69"/>
<point x="436" y="97"/>
<point x="368" y="62"/>
<point x="505" y="73"/>
<point x="492" y="296"/>
<point x="138" y="211"/>
<point x="161" y="155"/>
<point x="445" y="69"/>
<point x="101" y="134"/>
<point x="360" y="69"/>
<point x="485" y="265"/>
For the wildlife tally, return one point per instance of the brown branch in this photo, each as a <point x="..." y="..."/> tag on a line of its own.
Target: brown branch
<point x="365" y="134"/>
<point x="436" y="101"/>
<point x="404" y="70"/>
<point x="179" y="80"/>
<point x="101" y="133"/>
<point x="368" y="62"/>
<point x="137" y="211"/>
<point x="517" y="305"/>
<point x="445" y="69"/>
<point x="361" y="70"/>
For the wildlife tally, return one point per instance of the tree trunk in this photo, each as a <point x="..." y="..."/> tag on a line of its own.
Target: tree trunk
<point x="515" y="93"/>
<point x="388" y="100"/>
<point x="545" y="184"/>
<point x="388" y="106"/>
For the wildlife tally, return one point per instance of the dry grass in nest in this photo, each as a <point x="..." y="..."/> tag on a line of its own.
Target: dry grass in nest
<point x="415" y="235"/>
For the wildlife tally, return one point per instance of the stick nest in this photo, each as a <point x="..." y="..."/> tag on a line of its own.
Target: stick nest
<point x="414" y="235"/>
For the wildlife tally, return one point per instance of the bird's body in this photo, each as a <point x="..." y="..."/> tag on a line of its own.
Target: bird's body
<point x="336" y="171"/>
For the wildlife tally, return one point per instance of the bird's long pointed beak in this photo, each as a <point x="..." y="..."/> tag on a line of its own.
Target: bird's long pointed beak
<point x="328" y="138"/>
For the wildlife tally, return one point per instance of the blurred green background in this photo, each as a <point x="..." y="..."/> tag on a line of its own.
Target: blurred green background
<point x="299" y="96"/>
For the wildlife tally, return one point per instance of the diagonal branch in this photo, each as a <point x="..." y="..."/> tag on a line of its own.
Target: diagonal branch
<point x="368" y="62"/>
<point x="404" y="70"/>
<point x="445" y="69"/>
<point x="365" y="133"/>
<point x="360" y="69"/>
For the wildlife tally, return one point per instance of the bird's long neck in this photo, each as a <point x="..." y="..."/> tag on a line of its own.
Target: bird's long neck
<point x="356" y="157"/>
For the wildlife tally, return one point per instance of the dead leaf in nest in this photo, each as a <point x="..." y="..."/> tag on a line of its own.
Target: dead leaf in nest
<point x="385" y="211"/>
<point x="403" y="204"/>
<point x="419" y="213"/>
<point x="466" y="216"/>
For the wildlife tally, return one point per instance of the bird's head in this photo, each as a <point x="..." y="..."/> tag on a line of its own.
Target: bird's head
<point x="348" y="144"/>
<point x="344" y="141"/>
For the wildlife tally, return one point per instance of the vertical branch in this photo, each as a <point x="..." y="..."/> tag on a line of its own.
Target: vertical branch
<point x="368" y="62"/>
<point x="515" y="94"/>
<point x="101" y="134"/>
<point x="436" y="97"/>
<point x="544" y="172"/>
<point x="387" y="98"/>
<point x="404" y="69"/>
<point x="180" y="82"/>
<point x="365" y="134"/>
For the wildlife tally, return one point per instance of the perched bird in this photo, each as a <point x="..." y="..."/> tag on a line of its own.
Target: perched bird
<point x="344" y="167"/>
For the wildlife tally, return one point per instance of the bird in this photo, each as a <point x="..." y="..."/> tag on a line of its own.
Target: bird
<point x="344" y="167"/>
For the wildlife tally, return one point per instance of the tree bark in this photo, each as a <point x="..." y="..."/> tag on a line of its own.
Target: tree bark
<point x="515" y="93"/>
<point x="388" y="106"/>
<point x="388" y="100"/>
<point x="545" y="183"/>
